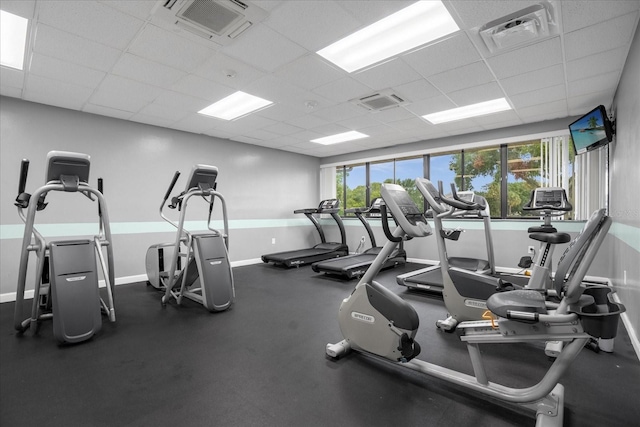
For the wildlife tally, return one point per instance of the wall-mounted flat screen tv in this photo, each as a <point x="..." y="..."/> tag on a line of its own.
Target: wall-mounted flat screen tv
<point x="591" y="131"/>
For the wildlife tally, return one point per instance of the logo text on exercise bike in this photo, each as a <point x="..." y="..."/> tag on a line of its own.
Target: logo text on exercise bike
<point x="363" y="317"/>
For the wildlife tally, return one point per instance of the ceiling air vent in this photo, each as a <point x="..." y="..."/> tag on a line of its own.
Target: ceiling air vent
<point x="220" y="21"/>
<point x="379" y="101"/>
<point x="527" y="25"/>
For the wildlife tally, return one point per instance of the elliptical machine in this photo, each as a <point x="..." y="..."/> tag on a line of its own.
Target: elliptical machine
<point x="207" y="277"/>
<point x="66" y="288"/>
<point x="376" y="321"/>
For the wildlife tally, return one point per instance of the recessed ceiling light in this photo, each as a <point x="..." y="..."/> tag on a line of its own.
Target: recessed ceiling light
<point x="235" y="105"/>
<point x="406" y="29"/>
<point x="13" y="39"/>
<point x="340" y="137"/>
<point x="473" y="110"/>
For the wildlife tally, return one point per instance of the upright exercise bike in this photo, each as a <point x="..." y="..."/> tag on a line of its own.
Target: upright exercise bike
<point x="66" y="288"/>
<point x="375" y="321"/>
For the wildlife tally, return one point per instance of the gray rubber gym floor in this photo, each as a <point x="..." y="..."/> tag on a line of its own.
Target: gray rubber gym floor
<point x="262" y="363"/>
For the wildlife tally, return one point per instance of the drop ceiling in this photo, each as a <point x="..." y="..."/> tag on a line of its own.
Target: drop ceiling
<point x="114" y="59"/>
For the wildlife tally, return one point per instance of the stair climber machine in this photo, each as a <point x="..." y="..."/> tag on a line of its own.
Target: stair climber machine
<point x="66" y="288"/>
<point x="206" y="277"/>
<point x="319" y="252"/>
<point x="375" y="321"/>
<point x="469" y="205"/>
<point x="351" y="266"/>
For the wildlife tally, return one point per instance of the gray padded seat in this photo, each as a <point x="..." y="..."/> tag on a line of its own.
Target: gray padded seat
<point x="525" y="300"/>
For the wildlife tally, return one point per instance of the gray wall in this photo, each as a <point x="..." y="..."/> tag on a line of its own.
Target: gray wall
<point x="625" y="179"/>
<point x="262" y="186"/>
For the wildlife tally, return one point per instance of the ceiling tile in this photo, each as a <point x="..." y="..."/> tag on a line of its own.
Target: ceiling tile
<point x="370" y="11"/>
<point x="10" y="77"/>
<point x="436" y="58"/>
<point x="529" y="58"/>
<point x="431" y="105"/>
<point x="475" y="94"/>
<point x="599" y="63"/>
<point x="312" y="24"/>
<point x="607" y="81"/>
<point x="419" y="89"/>
<point x="309" y="72"/>
<point x="604" y="36"/>
<point x="180" y="101"/>
<point x="388" y="74"/>
<point x="340" y="112"/>
<point x="201" y="88"/>
<point x="124" y="94"/>
<point x="462" y="77"/>
<point x="139" y="9"/>
<point x="343" y="90"/>
<point x="74" y="49"/>
<point x="91" y="20"/>
<point x="143" y="70"/>
<point x="538" y="79"/>
<point x="228" y="71"/>
<point x="106" y="111"/>
<point x="580" y="14"/>
<point x="540" y="96"/>
<point x="165" y="47"/>
<point x="167" y="113"/>
<point x="46" y="91"/>
<point x="582" y="104"/>
<point x="264" y="49"/>
<point x="64" y="71"/>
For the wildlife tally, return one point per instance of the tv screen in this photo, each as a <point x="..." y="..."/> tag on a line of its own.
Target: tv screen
<point x="591" y="131"/>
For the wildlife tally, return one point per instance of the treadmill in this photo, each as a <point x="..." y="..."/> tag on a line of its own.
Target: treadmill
<point x="351" y="266"/>
<point x="319" y="252"/>
<point x="471" y="205"/>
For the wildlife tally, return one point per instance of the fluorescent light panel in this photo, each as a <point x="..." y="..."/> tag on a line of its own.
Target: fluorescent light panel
<point x="340" y="137"/>
<point x="473" y="110"/>
<point x="13" y="39"/>
<point x="235" y="105"/>
<point x="406" y="29"/>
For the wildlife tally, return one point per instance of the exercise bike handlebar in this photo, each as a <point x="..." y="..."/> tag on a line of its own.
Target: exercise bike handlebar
<point x="457" y="203"/>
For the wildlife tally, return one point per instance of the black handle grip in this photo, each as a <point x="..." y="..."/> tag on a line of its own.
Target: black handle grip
<point x="385" y="225"/>
<point x="100" y="189"/>
<point x="458" y="204"/>
<point x="24" y="171"/>
<point x="173" y="183"/>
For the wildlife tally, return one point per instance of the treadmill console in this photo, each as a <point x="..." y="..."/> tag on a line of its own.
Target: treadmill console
<point x="405" y="212"/>
<point x="329" y="205"/>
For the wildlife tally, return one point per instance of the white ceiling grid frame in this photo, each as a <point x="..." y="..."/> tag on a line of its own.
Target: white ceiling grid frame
<point x="77" y="55"/>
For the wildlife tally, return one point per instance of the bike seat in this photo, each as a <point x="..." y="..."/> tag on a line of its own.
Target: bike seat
<point x="554" y="238"/>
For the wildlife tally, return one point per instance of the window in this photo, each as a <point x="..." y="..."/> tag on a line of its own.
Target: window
<point x="380" y="173"/>
<point x="406" y="172"/>
<point x="504" y="175"/>
<point x="481" y="174"/>
<point x="356" y="187"/>
<point x="446" y="168"/>
<point x="524" y="174"/>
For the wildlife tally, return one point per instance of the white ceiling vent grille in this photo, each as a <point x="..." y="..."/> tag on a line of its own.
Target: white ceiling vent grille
<point x="527" y="25"/>
<point x="379" y="101"/>
<point x="220" y="21"/>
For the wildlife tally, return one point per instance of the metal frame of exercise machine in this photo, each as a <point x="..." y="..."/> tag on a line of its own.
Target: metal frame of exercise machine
<point x="66" y="288"/>
<point x="377" y="322"/>
<point x="206" y="277"/>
